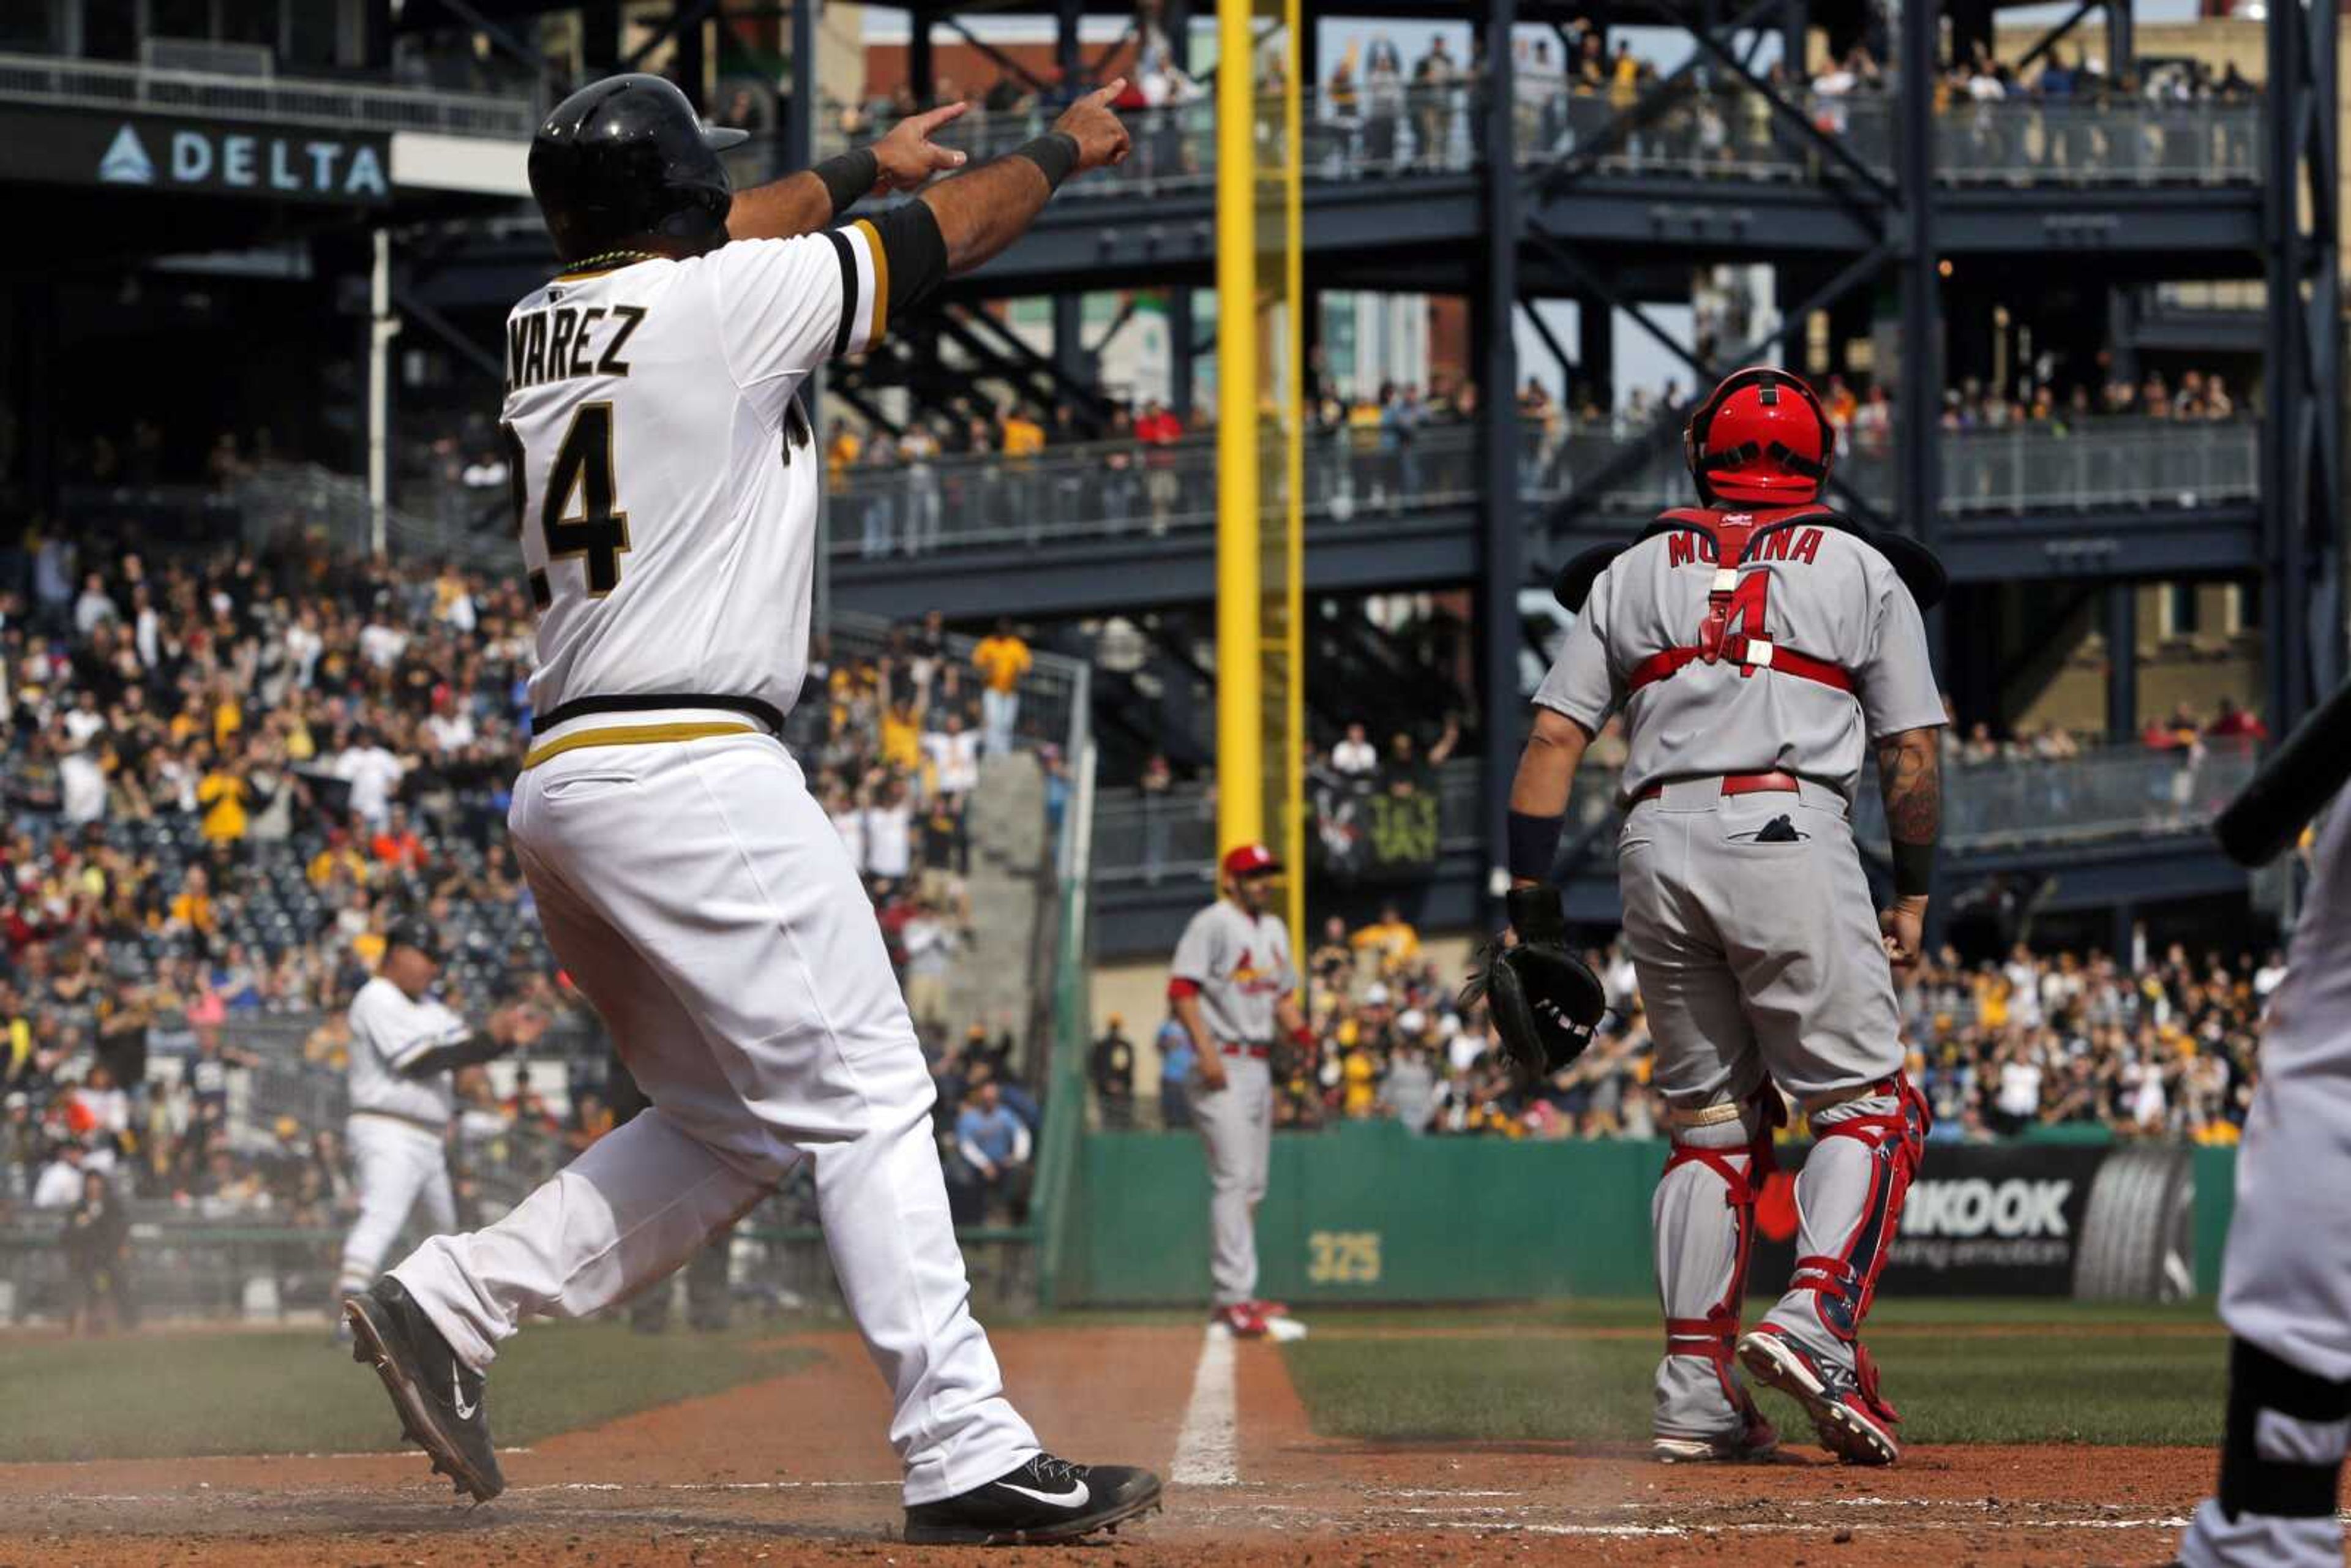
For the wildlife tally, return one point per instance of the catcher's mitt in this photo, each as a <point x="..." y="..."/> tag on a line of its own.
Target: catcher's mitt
<point x="1545" y="1001"/>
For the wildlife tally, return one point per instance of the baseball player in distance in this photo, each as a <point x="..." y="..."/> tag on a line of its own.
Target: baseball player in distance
<point x="2286" y="1282"/>
<point x="1232" y="984"/>
<point x="666" y="491"/>
<point x="1755" y="645"/>
<point x="404" y="1045"/>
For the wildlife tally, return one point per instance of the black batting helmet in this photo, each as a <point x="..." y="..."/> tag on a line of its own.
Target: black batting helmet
<point x="413" y="932"/>
<point x="626" y="158"/>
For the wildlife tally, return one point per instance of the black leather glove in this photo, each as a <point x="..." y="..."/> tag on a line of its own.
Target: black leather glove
<point x="1544" y="1001"/>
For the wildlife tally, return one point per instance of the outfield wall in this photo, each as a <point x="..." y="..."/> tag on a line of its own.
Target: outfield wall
<point x="1367" y="1212"/>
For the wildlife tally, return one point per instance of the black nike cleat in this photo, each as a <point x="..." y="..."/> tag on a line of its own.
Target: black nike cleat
<point x="438" y="1396"/>
<point x="1045" y="1499"/>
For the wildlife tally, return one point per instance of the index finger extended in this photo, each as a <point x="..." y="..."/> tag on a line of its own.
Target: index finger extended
<point x="930" y="120"/>
<point x="1104" y="97"/>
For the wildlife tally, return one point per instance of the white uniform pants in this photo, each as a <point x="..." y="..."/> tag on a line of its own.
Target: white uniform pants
<point x="1236" y="1124"/>
<point x="697" y="895"/>
<point x="395" y="1166"/>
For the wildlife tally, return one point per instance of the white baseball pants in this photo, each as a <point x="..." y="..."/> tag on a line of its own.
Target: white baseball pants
<point x="1235" y="1126"/>
<point x="395" y="1165"/>
<point x="697" y="895"/>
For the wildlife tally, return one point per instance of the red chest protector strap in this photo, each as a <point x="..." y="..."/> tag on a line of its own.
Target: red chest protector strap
<point x="1732" y="537"/>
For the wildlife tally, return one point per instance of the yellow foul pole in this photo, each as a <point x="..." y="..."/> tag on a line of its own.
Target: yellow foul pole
<point x="1240" y="713"/>
<point x="1291" y="425"/>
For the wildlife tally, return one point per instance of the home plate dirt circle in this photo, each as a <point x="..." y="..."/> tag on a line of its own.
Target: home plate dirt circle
<point x="795" y="1470"/>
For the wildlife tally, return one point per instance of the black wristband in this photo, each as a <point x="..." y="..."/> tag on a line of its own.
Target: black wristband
<point x="1055" y="154"/>
<point x="849" y="176"/>
<point x="1914" y="869"/>
<point x="1533" y="844"/>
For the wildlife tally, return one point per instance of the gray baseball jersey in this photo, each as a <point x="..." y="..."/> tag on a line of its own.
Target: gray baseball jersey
<point x="388" y="1032"/>
<point x="1819" y="592"/>
<point x="1240" y="964"/>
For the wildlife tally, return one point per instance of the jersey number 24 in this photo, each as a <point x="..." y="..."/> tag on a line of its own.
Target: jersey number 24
<point x="597" y="532"/>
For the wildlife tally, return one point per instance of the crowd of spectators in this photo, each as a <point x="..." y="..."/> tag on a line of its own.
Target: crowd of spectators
<point x="2155" y="1045"/>
<point x="227" y="773"/>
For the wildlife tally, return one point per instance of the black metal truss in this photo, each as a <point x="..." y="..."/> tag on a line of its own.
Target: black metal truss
<point x="2302" y="455"/>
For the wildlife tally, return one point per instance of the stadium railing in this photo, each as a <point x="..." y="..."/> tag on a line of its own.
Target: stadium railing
<point x="107" y="84"/>
<point x="282" y="501"/>
<point x="1359" y="477"/>
<point x="2106" y="793"/>
<point x="2087" y="464"/>
<point x="1690" y="128"/>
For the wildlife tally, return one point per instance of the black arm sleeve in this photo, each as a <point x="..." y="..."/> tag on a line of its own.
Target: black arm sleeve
<point x="476" y="1047"/>
<point x="917" y="253"/>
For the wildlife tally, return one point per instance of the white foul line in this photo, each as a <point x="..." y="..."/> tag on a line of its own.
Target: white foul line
<point x="1207" y="1450"/>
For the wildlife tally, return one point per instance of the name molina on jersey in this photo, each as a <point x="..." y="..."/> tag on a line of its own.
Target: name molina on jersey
<point x="558" y="342"/>
<point x="1684" y="548"/>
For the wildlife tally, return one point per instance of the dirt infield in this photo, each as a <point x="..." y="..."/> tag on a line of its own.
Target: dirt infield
<point x="795" y="1470"/>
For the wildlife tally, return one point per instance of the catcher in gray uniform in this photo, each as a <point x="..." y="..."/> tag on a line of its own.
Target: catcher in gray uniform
<point x="1755" y="646"/>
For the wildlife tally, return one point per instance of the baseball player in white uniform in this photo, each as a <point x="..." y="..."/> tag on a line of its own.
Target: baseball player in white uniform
<point x="2286" y="1291"/>
<point x="666" y="488"/>
<point x="1233" y="985"/>
<point x="1755" y="646"/>
<point x="404" y="1045"/>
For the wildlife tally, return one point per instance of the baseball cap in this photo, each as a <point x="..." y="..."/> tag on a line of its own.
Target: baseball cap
<point x="412" y="934"/>
<point x="1250" y="860"/>
<point x="1375" y="995"/>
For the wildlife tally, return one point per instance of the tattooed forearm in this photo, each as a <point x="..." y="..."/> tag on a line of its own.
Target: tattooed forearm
<point x="1910" y="779"/>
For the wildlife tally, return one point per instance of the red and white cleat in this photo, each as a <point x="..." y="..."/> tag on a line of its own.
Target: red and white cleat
<point x="1240" y="1320"/>
<point x="1854" y="1420"/>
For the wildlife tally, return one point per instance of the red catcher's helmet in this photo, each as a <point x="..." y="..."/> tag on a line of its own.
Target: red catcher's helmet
<point x="1249" y="860"/>
<point x="1761" y="437"/>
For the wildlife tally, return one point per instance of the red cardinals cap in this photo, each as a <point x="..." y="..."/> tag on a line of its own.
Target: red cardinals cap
<point x="1249" y="860"/>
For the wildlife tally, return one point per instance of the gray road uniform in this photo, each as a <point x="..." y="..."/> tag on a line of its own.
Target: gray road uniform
<point x="1238" y="967"/>
<point x="1749" y="693"/>
<point x="2285" y="1285"/>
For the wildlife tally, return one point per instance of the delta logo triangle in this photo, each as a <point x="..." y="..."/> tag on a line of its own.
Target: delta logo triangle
<point x="126" y="161"/>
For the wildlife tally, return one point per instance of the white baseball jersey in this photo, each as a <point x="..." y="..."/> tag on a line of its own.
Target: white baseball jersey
<point x="389" y="1033"/>
<point x="1240" y="966"/>
<point x="665" y="486"/>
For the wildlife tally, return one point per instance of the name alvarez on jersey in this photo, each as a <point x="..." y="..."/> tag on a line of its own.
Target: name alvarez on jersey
<point x="554" y="344"/>
<point x="670" y="548"/>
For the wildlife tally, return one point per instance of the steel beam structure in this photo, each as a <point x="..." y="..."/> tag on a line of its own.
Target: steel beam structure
<point x="2301" y="456"/>
<point x="1918" y="398"/>
<point x="1503" y="551"/>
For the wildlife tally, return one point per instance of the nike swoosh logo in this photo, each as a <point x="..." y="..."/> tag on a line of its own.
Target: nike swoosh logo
<point x="1071" y="1499"/>
<point x="458" y="1394"/>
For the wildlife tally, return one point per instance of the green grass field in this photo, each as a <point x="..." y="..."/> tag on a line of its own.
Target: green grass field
<point x="2007" y="1372"/>
<point x="174" y="1395"/>
<point x="2010" y="1372"/>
